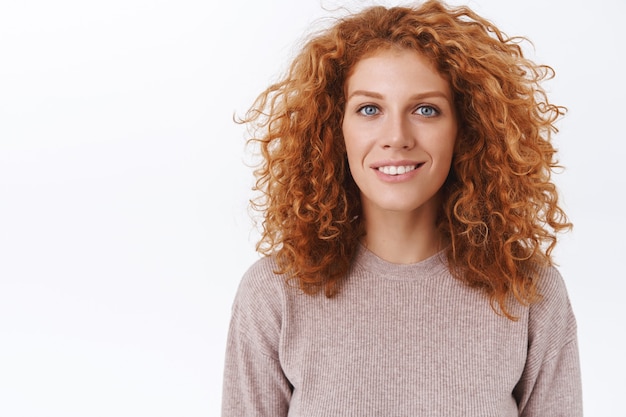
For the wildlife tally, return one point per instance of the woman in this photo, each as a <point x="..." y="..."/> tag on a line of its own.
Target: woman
<point x="409" y="217"/>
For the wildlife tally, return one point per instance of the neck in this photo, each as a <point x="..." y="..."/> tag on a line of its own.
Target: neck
<point x="402" y="238"/>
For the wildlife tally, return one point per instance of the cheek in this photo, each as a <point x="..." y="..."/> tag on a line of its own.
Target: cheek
<point x="446" y="143"/>
<point x="356" y="154"/>
<point x="351" y="140"/>
<point x="352" y="155"/>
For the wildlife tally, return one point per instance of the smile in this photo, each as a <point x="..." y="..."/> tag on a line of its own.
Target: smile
<point x="397" y="170"/>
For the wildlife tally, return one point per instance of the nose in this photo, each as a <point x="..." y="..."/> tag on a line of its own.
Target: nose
<point x="399" y="134"/>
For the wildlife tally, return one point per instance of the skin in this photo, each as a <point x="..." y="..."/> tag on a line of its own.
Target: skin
<point x="399" y="115"/>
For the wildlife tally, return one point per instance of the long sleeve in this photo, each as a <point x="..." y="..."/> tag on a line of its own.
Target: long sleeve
<point x="551" y="382"/>
<point x="254" y="382"/>
<point x="398" y="340"/>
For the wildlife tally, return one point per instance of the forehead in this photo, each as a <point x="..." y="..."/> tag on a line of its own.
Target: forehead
<point x="393" y="69"/>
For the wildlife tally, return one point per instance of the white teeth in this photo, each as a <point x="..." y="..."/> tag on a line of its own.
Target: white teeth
<point x="396" y="170"/>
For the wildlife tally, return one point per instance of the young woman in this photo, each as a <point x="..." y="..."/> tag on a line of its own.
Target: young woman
<point x="409" y="217"/>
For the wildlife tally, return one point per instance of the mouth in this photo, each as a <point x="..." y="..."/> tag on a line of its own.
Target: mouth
<point x="398" y="169"/>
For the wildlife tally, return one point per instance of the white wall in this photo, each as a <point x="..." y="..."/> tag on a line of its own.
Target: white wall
<point x="123" y="191"/>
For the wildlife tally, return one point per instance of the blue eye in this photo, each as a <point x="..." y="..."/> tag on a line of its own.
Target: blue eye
<point x="427" y="111"/>
<point x="368" y="110"/>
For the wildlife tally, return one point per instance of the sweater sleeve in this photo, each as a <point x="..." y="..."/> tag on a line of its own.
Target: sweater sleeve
<point x="551" y="382"/>
<point x="254" y="383"/>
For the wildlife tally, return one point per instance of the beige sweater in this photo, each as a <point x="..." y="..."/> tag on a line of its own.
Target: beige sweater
<point x="398" y="340"/>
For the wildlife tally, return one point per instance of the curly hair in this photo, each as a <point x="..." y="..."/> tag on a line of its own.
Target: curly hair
<point x="500" y="209"/>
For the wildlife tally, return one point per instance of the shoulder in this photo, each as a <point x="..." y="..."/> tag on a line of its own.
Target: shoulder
<point x="259" y="304"/>
<point x="260" y="285"/>
<point x="261" y="274"/>
<point x="258" y="308"/>
<point x="551" y="284"/>
<point x="554" y="302"/>
<point x="552" y="323"/>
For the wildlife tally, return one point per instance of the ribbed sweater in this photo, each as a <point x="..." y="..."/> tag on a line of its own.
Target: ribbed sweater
<point x="398" y="340"/>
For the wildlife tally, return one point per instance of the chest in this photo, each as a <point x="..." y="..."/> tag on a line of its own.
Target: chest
<point x="403" y="347"/>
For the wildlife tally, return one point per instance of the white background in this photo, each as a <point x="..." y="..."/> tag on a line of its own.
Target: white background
<point x="123" y="191"/>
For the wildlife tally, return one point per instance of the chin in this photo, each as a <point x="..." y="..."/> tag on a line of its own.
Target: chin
<point x="401" y="205"/>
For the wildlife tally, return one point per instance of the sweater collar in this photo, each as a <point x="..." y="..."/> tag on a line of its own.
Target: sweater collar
<point x="369" y="262"/>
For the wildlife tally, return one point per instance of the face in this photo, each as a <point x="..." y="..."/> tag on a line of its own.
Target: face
<point x="399" y="129"/>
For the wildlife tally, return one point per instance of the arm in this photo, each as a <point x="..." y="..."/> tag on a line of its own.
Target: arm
<point x="556" y="389"/>
<point x="254" y="383"/>
<point x="551" y="381"/>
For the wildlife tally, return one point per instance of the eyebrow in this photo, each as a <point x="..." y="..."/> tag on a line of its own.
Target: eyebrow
<point x="379" y="96"/>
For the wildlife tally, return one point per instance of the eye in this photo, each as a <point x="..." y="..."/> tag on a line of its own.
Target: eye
<point x="368" y="110"/>
<point x="427" y="111"/>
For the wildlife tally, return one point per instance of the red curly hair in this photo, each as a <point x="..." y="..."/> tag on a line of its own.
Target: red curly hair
<point x="500" y="209"/>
